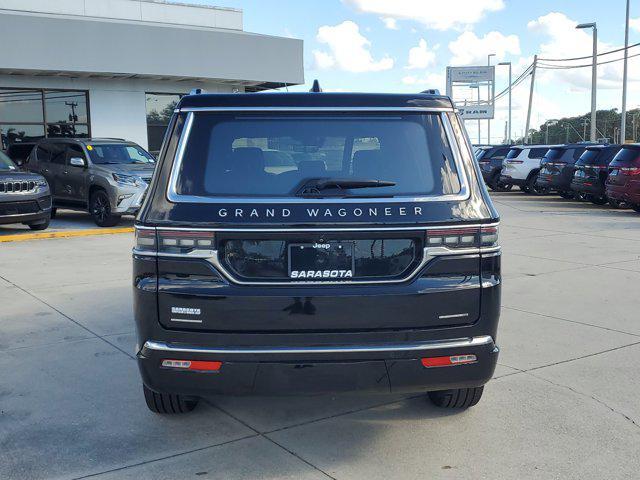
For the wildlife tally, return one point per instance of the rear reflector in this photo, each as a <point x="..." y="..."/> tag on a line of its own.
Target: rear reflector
<point x="197" y="365"/>
<point x="448" y="361"/>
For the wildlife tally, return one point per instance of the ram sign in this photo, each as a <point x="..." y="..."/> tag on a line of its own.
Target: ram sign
<point x="472" y="90"/>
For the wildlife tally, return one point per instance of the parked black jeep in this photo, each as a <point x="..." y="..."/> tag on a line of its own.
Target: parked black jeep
<point x="24" y="197"/>
<point x="365" y="258"/>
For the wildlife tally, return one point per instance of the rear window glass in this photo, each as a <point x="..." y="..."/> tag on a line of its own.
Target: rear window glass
<point x="537" y="152"/>
<point x="499" y="153"/>
<point x="554" y="153"/>
<point x="590" y="157"/>
<point x="514" y="152"/>
<point x="275" y="156"/>
<point x="628" y="156"/>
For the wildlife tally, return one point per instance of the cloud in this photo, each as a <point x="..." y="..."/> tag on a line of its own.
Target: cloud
<point x="634" y="24"/>
<point x="430" y="80"/>
<point x="469" y="49"/>
<point x="390" y="23"/>
<point x="433" y="14"/>
<point x="348" y="50"/>
<point x="563" y="40"/>
<point x="420" y="56"/>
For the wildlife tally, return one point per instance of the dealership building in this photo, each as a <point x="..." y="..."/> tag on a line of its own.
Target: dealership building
<point x="116" y="68"/>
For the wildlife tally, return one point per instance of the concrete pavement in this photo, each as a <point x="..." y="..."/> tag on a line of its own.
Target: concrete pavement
<point x="564" y="403"/>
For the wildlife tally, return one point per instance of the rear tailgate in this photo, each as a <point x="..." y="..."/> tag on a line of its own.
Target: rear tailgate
<point x="246" y="284"/>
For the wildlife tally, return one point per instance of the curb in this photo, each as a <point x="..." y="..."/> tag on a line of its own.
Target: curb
<point x="21" y="237"/>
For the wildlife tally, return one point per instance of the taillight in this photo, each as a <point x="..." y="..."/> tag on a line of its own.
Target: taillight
<point x="489" y="237"/>
<point x="185" y="241"/>
<point x="556" y="164"/>
<point x="472" y="237"/>
<point x="145" y="240"/>
<point x="630" y="170"/>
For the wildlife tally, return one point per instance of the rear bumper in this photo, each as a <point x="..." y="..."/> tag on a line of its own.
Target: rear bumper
<point x="592" y="188"/>
<point x="623" y="194"/>
<point x="379" y="368"/>
<point x="514" y="181"/>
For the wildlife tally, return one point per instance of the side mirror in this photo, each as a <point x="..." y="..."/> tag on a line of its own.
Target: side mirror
<point x="77" y="162"/>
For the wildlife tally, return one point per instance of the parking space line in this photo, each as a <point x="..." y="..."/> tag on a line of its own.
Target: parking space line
<point x="21" y="237"/>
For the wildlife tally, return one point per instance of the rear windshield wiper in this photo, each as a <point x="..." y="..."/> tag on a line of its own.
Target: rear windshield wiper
<point x="316" y="186"/>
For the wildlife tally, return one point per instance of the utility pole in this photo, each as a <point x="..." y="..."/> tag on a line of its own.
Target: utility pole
<point x="533" y="80"/>
<point x="623" y="119"/>
<point x="509" y="135"/>
<point x="584" y="134"/>
<point x="594" y="76"/>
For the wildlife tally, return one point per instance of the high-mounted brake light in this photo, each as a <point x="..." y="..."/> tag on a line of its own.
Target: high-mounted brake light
<point x="430" y="362"/>
<point x="193" y="365"/>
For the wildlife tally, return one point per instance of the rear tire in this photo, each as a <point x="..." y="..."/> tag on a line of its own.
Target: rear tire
<point x="100" y="209"/>
<point x="566" y="194"/>
<point x="459" y="398"/>
<point x="168" y="404"/>
<point x="534" y="188"/>
<point x="601" y="200"/>
<point x="636" y="207"/>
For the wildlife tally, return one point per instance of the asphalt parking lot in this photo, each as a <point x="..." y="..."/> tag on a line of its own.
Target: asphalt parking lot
<point x="563" y="403"/>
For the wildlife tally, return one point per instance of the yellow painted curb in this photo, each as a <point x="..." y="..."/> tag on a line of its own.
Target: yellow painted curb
<point x="64" y="234"/>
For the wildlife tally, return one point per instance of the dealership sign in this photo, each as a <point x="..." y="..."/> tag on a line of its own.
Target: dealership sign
<point x="472" y="90"/>
<point x="475" y="112"/>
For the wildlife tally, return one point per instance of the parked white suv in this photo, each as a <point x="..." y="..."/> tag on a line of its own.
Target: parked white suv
<point x="522" y="165"/>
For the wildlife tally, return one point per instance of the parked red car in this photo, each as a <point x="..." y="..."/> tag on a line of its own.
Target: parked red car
<point x="623" y="183"/>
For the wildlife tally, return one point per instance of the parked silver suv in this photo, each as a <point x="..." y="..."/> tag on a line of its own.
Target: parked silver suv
<point x="108" y="177"/>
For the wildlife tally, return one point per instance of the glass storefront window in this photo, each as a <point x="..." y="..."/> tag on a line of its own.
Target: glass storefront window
<point x="65" y="107"/>
<point x="160" y="107"/>
<point x="27" y="115"/>
<point x="19" y="134"/>
<point x="21" y="106"/>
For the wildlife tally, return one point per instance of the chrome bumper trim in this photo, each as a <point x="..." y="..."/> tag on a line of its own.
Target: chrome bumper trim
<point x="404" y="347"/>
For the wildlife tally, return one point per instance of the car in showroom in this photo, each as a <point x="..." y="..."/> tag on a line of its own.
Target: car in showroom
<point x="365" y="259"/>
<point x="557" y="168"/>
<point x="521" y="167"/>
<point x="106" y="177"/>
<point x="623" y="181"/>
<point x="591" y="172"/>
<point x="490" y="159"/>
<point x="24" y="196"/>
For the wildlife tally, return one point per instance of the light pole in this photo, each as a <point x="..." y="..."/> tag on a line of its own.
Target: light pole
<point x="477" y="86"/>
<point x="489" y="99"/>
<point x="509" y="134"/>
<point x="547" y="123"/>
<point x="623" y="120"/>
<point x="594" y="76"/>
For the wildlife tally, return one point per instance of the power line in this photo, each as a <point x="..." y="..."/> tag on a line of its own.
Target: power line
<point x="588" y="56"/>
<point x="567" y="67"/>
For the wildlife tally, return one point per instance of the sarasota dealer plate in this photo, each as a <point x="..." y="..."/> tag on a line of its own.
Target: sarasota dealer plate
<point x="320" y="261"/>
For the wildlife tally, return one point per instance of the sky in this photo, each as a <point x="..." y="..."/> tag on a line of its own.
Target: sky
<point x="406" y="45"/>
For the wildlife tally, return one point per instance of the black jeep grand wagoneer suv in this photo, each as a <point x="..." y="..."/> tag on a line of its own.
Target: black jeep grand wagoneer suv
<point x="316" y="242"/>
